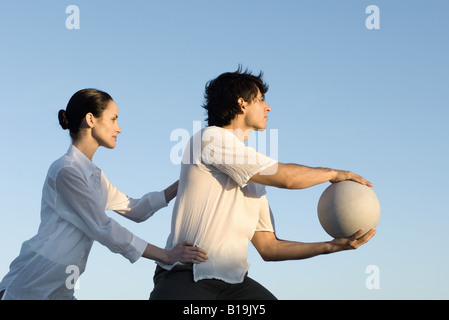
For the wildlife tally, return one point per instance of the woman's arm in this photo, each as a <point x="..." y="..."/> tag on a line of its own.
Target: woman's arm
<point x="185" y="252"/>
<point x="139" y="210"/>
<point x="171" y="191"/>
<point x="77" y="204"/>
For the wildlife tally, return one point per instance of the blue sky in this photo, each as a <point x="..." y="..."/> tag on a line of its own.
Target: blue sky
<point x="342" y="96"/>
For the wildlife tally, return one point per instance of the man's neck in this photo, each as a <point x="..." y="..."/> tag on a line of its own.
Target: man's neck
<point x="239" y="130"/>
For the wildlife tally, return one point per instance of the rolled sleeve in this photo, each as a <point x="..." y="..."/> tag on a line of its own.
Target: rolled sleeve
<point x="266" y="218"/>
<point x="226" y="153"/>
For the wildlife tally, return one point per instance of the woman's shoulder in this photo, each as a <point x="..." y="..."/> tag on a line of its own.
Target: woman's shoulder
<point x="65" y="162"/>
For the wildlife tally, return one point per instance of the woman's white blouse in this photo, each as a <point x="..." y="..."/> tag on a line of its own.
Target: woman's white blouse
<point x="75" y="195"/>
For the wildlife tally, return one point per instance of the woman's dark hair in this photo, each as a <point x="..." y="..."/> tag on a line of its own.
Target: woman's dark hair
<point x="81" y="103"/>
<point x="222" y="93"/>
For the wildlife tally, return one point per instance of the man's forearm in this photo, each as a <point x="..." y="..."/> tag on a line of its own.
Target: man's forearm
<point x="273" y="249"/>
<point x="295" y="176"/>
<point x="289" y="250"/>
<point x="304" y="177"/>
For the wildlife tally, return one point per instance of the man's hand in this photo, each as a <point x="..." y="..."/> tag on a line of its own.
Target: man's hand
<point x="358" y="239"/>
<point x="348" y="175"/>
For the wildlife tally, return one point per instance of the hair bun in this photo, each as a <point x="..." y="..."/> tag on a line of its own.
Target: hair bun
<point x="63" y="119"/>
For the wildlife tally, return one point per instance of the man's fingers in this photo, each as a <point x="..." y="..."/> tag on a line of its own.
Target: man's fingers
<point x="357" y="235"/>
<point x="358" y="239"/>
<point x="368" y="235"/>
<point x="366" y="183"/>
<point x="362" y="181"/>
<point x="348" y="175"/>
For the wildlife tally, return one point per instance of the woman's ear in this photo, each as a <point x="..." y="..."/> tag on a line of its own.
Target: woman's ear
<point x="89" y="120"/>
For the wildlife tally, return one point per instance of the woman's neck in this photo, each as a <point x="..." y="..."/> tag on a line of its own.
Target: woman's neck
<point x="87" y="145"/>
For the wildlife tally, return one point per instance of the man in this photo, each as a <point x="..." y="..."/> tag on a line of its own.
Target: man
<point x="221" y="204"/>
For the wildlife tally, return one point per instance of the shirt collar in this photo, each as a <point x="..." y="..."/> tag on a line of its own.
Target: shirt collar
<point x="87" y="166"/>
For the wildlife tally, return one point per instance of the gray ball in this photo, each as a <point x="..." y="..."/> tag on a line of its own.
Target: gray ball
<point x="346" y="207"/>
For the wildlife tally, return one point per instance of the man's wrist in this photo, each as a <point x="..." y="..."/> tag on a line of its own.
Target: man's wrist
<point x="334" y="173"/>
<point x="330" y="247"/>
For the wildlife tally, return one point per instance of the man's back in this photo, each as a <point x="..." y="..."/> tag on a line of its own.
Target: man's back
<point x="214" y="211"/>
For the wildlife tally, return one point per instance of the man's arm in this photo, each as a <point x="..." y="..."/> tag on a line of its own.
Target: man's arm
<point x="273" y="249"/>
<point x="295" y="176"/>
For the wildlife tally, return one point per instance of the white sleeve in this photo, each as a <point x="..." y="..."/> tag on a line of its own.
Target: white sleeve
<point x="266" y="219"/>
<point x="229" y="155"/>
<point x="137" y="210"/>
<point x="77" y="205"/>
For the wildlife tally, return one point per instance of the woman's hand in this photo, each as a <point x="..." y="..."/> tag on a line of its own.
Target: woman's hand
<point x="186" y="252"/>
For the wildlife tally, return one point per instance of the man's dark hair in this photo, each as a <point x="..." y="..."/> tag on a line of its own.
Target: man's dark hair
<point x="222" y="93"/>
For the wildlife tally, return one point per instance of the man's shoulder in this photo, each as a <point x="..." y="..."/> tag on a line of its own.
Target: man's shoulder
<point x="212" y="133"/>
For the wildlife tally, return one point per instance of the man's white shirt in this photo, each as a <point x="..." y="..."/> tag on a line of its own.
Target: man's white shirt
<point x="216" y="208"/>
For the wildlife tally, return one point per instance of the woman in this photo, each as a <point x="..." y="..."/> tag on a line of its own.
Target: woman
<point x="75" y="196"/>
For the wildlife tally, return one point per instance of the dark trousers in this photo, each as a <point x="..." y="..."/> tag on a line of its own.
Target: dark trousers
<point x="1" y="294"/>
<point x="178" y="284"/>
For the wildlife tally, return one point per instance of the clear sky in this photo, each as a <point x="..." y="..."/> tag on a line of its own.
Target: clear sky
<point x="374" y="101"/>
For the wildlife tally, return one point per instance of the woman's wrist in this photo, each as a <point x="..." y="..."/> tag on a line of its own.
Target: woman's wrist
<point x="171" y="192"/>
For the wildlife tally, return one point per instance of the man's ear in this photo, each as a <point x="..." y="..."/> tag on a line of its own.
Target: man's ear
<point x="241" y="103"/>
